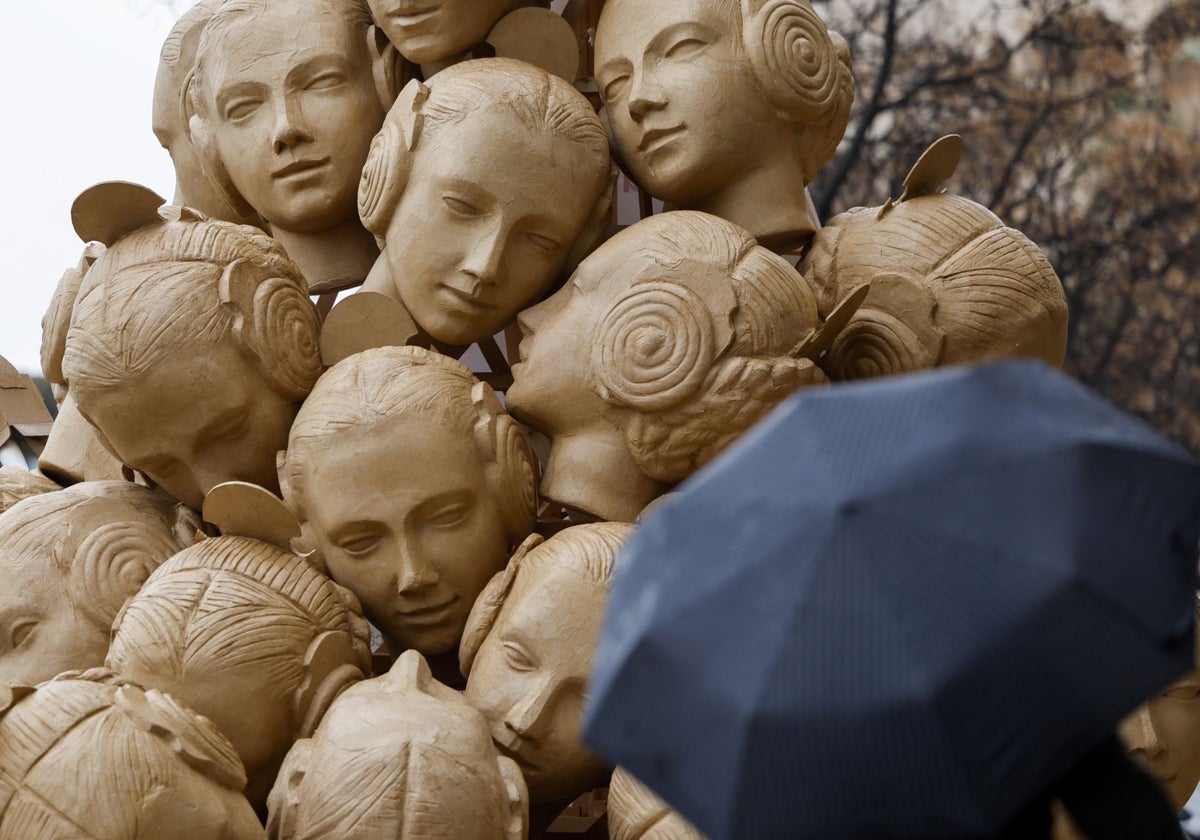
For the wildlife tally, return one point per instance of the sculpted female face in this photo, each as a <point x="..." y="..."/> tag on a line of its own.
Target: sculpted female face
<point x="472" y="241"/>
<point x="427" y="31"/>
<point x="530" y="677"/>
<point x="292" y="110"/>
<point x="686" y="111"/>
<point x="404" y="518"/>
<point x="202" y="416"/>
<point x="1165" y="733"/>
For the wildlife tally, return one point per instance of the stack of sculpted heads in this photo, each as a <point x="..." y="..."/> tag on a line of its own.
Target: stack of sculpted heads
<point x="191" y="346"/>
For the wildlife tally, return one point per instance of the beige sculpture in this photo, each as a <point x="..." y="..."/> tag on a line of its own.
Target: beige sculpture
<point x="191" y="346"/>
<point x="73" y="452"/>
<point x="283" y="116"/>
<point x="399" y="756"/>
<point x="527" y="657"/>
<point x="482" y="187"/>
<point x="438" y="33"/>
<point x="70" y="560"/>
<point x="668" y="342"/>
<point x="725" y="106"/>
<point x="636" y="813"/>
<point x="18" y="484"/>
<point x="250" y="636"/>
<point x="22" y="409"/>
<point x="176" y="64"/>
<point x="89" y="758"/>
<point x="950" y="283"/>
<point x="413" y="484"/>
<point x="1165" y="734"/>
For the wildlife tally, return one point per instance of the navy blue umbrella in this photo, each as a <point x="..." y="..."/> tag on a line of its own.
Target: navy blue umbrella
<point x="901" y="608"/>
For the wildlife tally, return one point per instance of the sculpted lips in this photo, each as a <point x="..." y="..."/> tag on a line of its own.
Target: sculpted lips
<point x="413" y="17"/>
<point x="510" y="743"/>
<point x="656" y="138"/>
<point x="468" y="301"/>
<point x="427" y="613"/>
<point x="299" y="167"/>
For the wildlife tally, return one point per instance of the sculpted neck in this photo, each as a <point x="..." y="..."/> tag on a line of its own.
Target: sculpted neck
<point x="771" y="203"/>
<point x="333" y="259"/>
<point x="594" y="473"/>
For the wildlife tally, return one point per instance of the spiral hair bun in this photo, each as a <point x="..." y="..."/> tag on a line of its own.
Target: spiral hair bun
<point x="655" y="347"/>
<point x="112" y="563"/>
<point x="793" y="57"/>
<point x="287" y="329"/>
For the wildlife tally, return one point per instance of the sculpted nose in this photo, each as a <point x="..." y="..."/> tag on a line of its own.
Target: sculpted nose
<point x="416" y="572"/>
<point x="528" y="716"/>
<point x="645" y="95"/>
<point x="291" y="130"/>
<point x="486" y="256"/>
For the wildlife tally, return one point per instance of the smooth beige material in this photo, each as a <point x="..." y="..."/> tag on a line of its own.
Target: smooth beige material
<point x="413" y="484"/>
<point x="285" y="102"/>
<point x="363" y="321"/>
<point x="90" y="757"/>
<point x="191" y="346"/>
<point x="950" y="283"/>
<point x="21" y="404"/>
<point x="242" y="509"/>
<point x="725" y="106"/>
<point x="1165" y="734"/>
<point x="437" y="33"/>
<point x="539" y="37"/>
<point x="176" y="64"/>
<point x="18" y="484"/>
<point x="399" y="756"/>
<point x="527" y="657"/>
<point x="636" y="813"/>
<point x="107" y="211"/>
<point x="70" y="560"/>
<point x="483" y="187"/>
<point x="250" y="636"/>
<point x="668" y="342"/>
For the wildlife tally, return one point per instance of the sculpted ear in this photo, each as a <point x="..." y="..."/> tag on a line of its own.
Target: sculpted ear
<point x="517" y="793"/>
<point x="389" y="69"/>
<point x="201" y="134"/>
<point x="284" y="799"/>
<point x="488" y="605"/>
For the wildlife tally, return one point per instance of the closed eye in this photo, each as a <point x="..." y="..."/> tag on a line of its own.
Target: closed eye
<point x="241" y="109"/>
<point x="359" y="545"/>
<point x="459" y="207"/>
<point x="1185" y="690"/>
<point x="543" y="243"/>
<point x="447" y="517"/>
<point x="21" y="632"/>
<point x="325" y="81"/>
<point x="518" y="657"/>
<point x="686" y="47"/>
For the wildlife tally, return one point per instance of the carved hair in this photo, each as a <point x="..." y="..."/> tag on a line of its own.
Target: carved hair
<point x="182" y="282"/>
<point x="634" y="812"/>
<point x="18" y="484"/>
<point x="233" y="602"/>
<point x="589" y="550"/>
<point x="355" y="13"/>
<point x="540" y="101"/>
<point x="137" y="744"/>
<point x="386" y="383"/>
<point x="385" y="743"/>
<point x="704" y="347"/>
<point x="104" y="537"/>
<point x="182" y="40"/>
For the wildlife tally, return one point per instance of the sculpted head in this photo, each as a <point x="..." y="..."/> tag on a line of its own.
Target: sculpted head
<point x="286" y="131"/>
<point x="171" y="111"/>
<point x="413" y="483"/>
<point x="1165" y="733"/>
<point x="667" y="343"/>
<point x="191" y="346"/>
<point x="435" y="30"/>
<point x="636" y="813"/>
<point x="701" y="95"/>
<point x="480" y="187"/>
<point x="18" y="484"/>
<point x="400" y="756"/>
<point x="527" y="659"/>
<point x="71" y="560"/>
<point x="94" y="760"/>
<point x="250" y="636"/>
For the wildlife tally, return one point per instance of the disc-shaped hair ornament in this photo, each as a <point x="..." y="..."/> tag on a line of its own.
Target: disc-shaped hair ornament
<point x="111" y="209"/>
<point x="242" y="509"/>
<point x="655" y="347"/>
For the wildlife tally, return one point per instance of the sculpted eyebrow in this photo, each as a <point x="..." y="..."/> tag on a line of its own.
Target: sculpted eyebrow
<point x="688" y="29"/>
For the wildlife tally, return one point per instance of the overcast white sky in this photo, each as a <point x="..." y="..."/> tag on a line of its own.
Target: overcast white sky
<point x="77" y="78"/>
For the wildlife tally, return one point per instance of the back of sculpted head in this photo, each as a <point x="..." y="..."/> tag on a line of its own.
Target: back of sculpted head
<point x="191" y="344"/>
<point x="480" y="186"/>
<point x="418" y="506"/>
